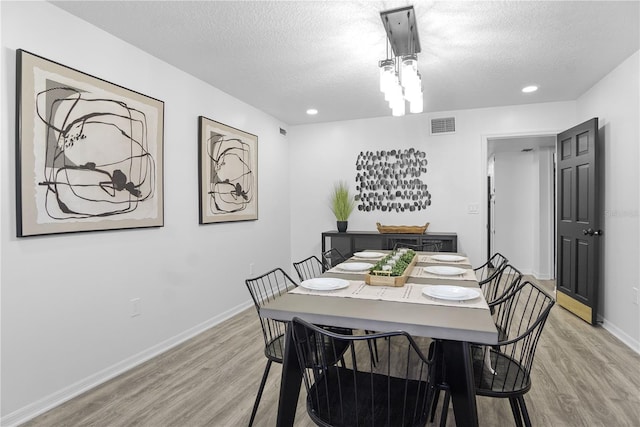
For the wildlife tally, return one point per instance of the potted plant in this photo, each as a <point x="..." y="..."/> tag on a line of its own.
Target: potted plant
<point x="342" y="204"/>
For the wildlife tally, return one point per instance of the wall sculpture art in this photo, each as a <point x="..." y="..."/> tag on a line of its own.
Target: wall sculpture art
<point x="391" y="181"/>
<point x="89" y="153"/>
<point x="228" y="173"/>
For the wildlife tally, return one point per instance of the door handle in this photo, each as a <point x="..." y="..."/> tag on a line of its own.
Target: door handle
<point x="592" y="232"/>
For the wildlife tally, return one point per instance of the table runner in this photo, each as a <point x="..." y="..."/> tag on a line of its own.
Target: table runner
<point x="409" y="293"/>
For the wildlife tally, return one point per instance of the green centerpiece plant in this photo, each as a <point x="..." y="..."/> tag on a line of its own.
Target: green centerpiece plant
<point x="398" y="268"/>
<point x="342" y="204"/>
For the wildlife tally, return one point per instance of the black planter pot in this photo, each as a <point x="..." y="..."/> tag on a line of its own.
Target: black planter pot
<point x="342" y="226"/>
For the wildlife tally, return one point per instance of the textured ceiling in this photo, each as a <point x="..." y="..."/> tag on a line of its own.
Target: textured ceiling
<point x="284" y="57"/>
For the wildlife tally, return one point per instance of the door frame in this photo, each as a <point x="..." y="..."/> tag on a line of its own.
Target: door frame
<point x="484" y="143"/>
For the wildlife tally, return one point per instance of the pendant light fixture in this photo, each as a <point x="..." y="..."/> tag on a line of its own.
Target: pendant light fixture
<point x="400" y="80"/>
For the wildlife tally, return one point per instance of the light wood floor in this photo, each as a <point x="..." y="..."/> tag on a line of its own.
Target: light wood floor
<point x="583" y="376"/>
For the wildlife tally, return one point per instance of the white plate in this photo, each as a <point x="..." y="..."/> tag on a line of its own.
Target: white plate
<point x="355" y="266"/>
<point x="324" y="284"/>
<point x="368" y="255"/>
<point x="454" y="293"/>
<point x="443" y="270"/>
<point x="448" y="258"/>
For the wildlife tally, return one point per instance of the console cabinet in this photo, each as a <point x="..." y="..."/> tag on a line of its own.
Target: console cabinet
<point x="354" y="241"/>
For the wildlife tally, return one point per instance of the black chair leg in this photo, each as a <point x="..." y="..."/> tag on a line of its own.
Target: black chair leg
<point x="513" y="401"/>
<point x="445" y="408"/>
<point x="434" y="404"/>
<point x="435" y="354"/>
<point x="525" y="413"/>
<point x="260" y="390"/>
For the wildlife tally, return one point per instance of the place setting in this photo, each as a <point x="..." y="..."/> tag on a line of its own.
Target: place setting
<point x="352" y="268"/>
<point x="444" y="272"/>
<point x="451" y="293"/>
<point x="444" y="259"/>
<point x="454" y="295"/>
<point x="369" y="255"/>
<point x="320" y="285"/>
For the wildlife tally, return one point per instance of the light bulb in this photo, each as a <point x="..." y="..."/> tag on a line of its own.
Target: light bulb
<point x="409" y="69"/>
<point x="394" y="90"/>
<point x="416" y="105"/>
<point x="398" y="109"/>
<point x="387" y="73"/>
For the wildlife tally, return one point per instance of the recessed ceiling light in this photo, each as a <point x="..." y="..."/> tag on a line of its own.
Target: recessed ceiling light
<point x="529" y="89"/>
<point x="312" y="111"/>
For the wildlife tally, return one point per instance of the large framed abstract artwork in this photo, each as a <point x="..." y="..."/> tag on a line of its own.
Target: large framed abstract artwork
<point x="89" y="152"/>
<point x="228" y="173"/>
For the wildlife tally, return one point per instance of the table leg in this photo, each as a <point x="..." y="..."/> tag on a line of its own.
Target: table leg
<point x="459" y="376"/>
<point x="289" y="383"/>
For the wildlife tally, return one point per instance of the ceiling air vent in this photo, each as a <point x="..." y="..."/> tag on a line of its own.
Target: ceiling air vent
<point x="445" y="125"/>
<point x="283" y="132"/>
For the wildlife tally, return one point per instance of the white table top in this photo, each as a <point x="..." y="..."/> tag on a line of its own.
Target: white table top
<point x="451" y="323"/>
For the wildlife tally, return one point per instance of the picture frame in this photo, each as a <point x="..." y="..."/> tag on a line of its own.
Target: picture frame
<point x="89" y="153"/>
<point x="227" y="173"/>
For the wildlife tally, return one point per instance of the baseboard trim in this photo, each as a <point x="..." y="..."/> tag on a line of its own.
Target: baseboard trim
<point x="55" y="399"/>
<point x="540" y="276"/>
<point x="620" y="334"/>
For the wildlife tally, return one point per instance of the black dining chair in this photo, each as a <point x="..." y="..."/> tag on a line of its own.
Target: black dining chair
<point x="504" y="370"/>
<point x="263" y="289"/>
<point x="394" y="392"/>
<point x="332" y="257"/>
<point x="500" y="282"/>
<point x="426" y="246"/>
<point x="489" y="268"/>
<point x="309" y="268"/>
<point x="432" y="246"/>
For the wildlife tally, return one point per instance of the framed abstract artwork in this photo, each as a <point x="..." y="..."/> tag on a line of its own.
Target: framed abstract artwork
<point x="89" y="153"/>
<point x="228" y="173"/>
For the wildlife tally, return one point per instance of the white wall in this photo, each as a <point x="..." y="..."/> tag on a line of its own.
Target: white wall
<point x="65" y="327"/>
<point x="456" y="173"/>
<point x="523" y="207"/>
<point x="544" y="215"/>
<point x="615" y="100"/>
<point x="516" y="198"/>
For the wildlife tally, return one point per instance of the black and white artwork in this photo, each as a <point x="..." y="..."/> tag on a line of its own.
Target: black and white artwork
<point x="391" y="181"/>
<point x="89" y="153"/>
<point x="228" y="165"/>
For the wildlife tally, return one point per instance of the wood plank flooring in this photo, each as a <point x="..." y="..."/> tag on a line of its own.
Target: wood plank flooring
<point x="583" y="376"/>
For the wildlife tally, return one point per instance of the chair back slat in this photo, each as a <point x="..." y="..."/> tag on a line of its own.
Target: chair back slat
<point x="489" y="268"/>
<point x="309" y="268"/>
<point x="500" y="282"/>
<point x="332" y="257"/>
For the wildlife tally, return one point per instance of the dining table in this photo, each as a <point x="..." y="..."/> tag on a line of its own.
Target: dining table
<point x="455" y="323"/>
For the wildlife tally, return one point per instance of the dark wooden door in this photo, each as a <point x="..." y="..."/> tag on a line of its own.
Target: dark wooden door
<point x="578" y="216"/>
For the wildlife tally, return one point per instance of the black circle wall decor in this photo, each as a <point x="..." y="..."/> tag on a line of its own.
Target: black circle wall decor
<point x="390" y="181"/>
